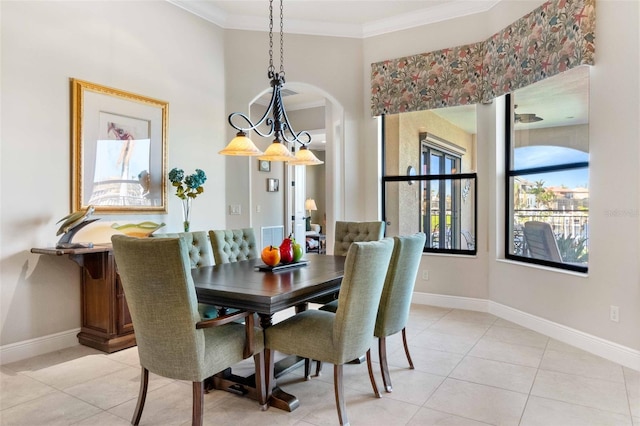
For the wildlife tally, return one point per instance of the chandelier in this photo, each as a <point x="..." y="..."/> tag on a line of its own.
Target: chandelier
<point x="275" y="118"/>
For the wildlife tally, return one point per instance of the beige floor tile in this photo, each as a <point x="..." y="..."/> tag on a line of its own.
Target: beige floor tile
<point x="504" y="323"/>
<point x="517" y="336"/>
<point x="595" y="393"/>
<point x="104" y="419"/>
<point x="636" y="421"/>
<point x="75" y="371"/>
<point x="168" y="405"/>
<point x="632" y="382"/>
<point x="52" y="358"/>
<point x="512" y="377"/>
<point x="116" y="388"/>
<point x="53" y="409"/>
<point x="507" y="352"/>
<point x="427" y="416"/>
<point x="443" y="342"/>
<point x="459" y="328"/>
<point x="430" y="361"/>
<point x="478" y="402"/>
<point x="426" y="312"/>
<point x="474" y="317"/>
<point x="563" y="347"/>
<point x="548" y="412"/>
<point x="17" y="388"/>
<point x="581" y="364"/>
<point x="126" y="356"/>
<point x="412" y="386"/>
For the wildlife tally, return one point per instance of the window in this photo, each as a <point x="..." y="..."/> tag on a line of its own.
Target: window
<point x="428" y="184"/>
<point x="547" y="163"/>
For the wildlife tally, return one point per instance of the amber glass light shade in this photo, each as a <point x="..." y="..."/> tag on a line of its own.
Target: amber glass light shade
<point x="241" y="145"/>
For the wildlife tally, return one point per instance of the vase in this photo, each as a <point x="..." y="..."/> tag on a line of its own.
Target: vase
<point x="186" y="213"/>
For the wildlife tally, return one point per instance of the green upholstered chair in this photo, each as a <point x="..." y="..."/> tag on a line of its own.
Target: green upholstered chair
<point x="199" y="255"/>
<point x="172" y="340"/>
<point x="350" y="232"/>
<point x="232" y="245"/>
<point x="338" y="338"/>
<point x="393" y="311"/>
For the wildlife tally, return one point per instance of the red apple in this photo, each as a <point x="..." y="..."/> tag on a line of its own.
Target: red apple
<point x="286" y="251"/>
<point x="270" y="255"/>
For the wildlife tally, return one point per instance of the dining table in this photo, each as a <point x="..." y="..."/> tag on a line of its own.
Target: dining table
<point x="253" y="286"/>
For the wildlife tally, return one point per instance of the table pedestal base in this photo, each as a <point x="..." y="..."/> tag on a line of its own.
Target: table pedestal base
<point x="246" y="386"/>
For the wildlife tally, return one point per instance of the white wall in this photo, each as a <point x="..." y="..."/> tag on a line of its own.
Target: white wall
<point x="579" y="302"/>
<point x="151" y="48"/>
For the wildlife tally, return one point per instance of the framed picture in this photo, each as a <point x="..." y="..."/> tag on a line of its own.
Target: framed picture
<point x="264" y="165"/>
<point x="119" y="145"/>
<point x="273" y="185"/>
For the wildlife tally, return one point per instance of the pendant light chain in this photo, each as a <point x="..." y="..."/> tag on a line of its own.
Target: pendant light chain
<point x="281" y="41"/>
<point x="270" y="70"/>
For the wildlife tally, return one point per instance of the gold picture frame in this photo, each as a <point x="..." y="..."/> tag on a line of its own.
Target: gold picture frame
<point x="119" y="146"/>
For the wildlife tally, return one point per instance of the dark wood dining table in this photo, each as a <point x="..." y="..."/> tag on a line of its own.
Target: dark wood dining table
<point x="243" y="285"/>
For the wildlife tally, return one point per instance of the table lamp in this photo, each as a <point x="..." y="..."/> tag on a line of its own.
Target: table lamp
<point x="310" y="204"/>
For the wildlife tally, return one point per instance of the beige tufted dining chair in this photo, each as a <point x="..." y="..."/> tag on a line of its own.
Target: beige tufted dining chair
<point x="172" y="340"/>
<point x="338" y="338"/>
<point x="395" y="302"/>
<point x="349" y="232"/>
<point x="199" y="255"/>
<point x="232" y="245"/>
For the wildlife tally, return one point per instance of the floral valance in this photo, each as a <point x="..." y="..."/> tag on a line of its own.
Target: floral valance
<point x="555" y="37"/>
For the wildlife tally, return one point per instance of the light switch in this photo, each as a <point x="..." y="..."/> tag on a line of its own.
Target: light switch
<point x="234" y="209"/>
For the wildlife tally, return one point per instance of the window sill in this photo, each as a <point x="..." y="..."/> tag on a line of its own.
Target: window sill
<point x="544" y="268"/>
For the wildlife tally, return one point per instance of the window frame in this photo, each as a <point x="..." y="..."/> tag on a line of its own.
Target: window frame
<point x="509" y="202"/>
<point x="419" y="178"/>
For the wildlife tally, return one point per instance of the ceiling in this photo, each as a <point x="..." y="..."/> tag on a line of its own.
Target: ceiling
<point x="549" y="99"/>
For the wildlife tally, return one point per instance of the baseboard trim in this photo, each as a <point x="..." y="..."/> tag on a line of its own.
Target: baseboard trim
<point x="612" y="351"/>
<point x="40" y="345"/>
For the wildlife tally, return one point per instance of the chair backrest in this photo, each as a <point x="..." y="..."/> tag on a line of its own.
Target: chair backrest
<point x="350" y="232"/>
<point x="156" y="277"/>
<point x="364" y="271"/>
<point x="541" y="242"/>
<point x="198" y="244"/>
<point x="395" y="302"/>
<point x="232" y="245"/>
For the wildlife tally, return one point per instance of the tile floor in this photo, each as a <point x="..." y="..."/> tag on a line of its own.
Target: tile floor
<point x="471" y="368"/>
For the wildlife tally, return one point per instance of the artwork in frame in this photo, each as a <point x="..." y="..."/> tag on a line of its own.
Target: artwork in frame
<point x="273" y="185"/>
<point x="119" y="145"/>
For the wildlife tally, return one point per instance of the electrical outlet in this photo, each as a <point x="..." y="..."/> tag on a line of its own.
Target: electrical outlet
<point x="614" y="314"/>
<point x="425" y="275"/>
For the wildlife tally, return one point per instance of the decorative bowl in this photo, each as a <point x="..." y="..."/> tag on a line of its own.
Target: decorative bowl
<point x="141" y="230"/>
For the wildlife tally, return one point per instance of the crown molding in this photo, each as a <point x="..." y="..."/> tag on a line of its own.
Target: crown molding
<point x="454" y="9"/>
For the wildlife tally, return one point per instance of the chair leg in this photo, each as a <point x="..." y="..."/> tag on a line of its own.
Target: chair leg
<point x="307" y="368"/>
<point x="198" y="403"/>
<point x="339" y="392"/>
<point x="261" y="382"/>
<point x="142" y="396"/>
<point x="384" y="367"/>
<point x="406" y="347"/>
<point x="318" y="367"/>
<point x="374" y="385"/>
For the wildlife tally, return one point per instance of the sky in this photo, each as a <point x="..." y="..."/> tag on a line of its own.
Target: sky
<point x="539" y="156"/>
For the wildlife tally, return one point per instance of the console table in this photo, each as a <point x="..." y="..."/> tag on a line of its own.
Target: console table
<point x="106" y="321"/>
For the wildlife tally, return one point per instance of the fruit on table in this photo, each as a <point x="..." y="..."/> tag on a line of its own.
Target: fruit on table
<point x="270" y="255"/>
<point x="286" y="250"/>
<point x="297" y="251"/>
